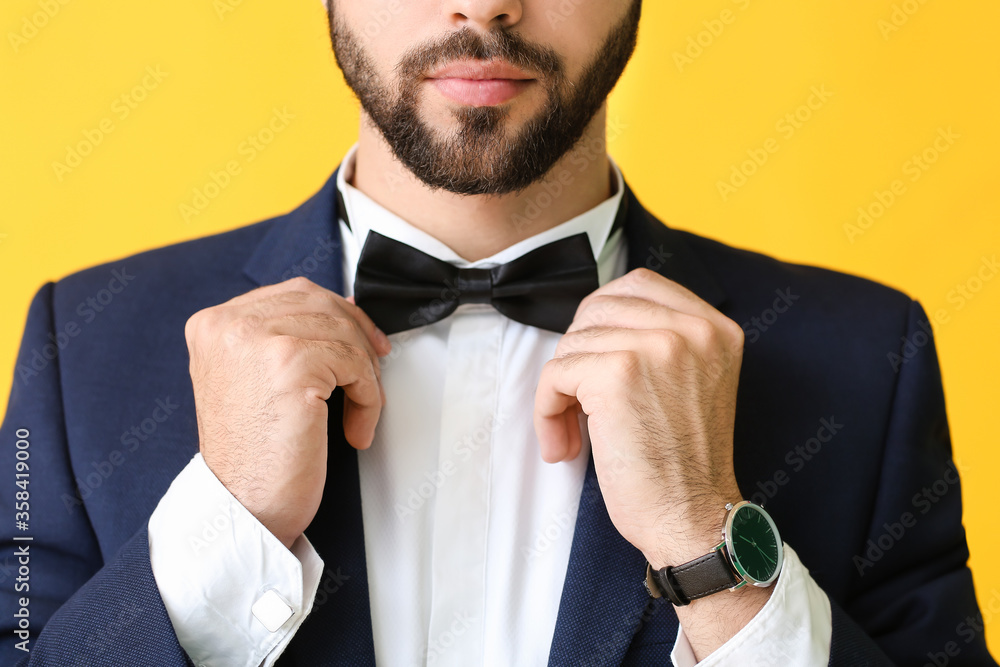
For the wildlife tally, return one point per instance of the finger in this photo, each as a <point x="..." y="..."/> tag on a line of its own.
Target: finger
<point x="609" y="310"/>
<point x="558" y="428"/>
<point x="360" y="422"/>
<point x="702" y="333"/>
<point x="348" y="366"/>
<point x="657" y="344"/>
<point x="376" y="335"/>
<point x="298" y="284"/>
<point x="651" y="286"/>
<point x="322" y="326"/>
<point x="556" y="415"/>
<point x="293" y="295"/>
<point x="314" y="315"/>
<point x="334" y="303"/>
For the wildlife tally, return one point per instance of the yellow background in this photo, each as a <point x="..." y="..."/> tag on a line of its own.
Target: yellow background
<point x="682" y="127"/>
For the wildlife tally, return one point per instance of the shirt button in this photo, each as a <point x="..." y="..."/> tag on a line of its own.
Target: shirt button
<point x="271" y="610"/>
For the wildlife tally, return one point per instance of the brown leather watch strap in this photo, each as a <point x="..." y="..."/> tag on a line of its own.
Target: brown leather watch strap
<point x="695" y="579"/>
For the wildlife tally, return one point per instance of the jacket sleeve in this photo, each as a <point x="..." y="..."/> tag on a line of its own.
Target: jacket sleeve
<point x="60" y="603"/>
<point x="913" y="600"/>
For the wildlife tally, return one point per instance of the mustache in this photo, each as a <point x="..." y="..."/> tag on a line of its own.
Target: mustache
<point x="468" y="44"/>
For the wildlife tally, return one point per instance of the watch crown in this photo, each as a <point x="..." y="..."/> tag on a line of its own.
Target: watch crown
<point x="729" y="506"/>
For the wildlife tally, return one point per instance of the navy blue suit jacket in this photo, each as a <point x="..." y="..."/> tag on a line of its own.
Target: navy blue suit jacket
<point x="847" y="444"/>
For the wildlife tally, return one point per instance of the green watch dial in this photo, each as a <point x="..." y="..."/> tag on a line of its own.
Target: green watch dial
<point x="753" y="544"/>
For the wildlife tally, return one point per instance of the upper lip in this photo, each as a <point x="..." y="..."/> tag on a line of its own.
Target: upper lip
<point x="478" y="70"/>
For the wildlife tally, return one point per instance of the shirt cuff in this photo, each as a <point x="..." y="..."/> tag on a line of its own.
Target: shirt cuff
<point x="234" y="593"/>
<point x="792" y="628"/>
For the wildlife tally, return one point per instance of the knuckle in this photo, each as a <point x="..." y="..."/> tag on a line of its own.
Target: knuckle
<point x="735" y="333"/>
<point x="569" y="344"/>
<point x="302" y="284"/>
<point x="315" y="396"/>
<point x="670" y="343"/>
<point x="548" y="368"/>
<point x="329" y="302"/>
<point x="284" y="350"/>
<point x="588" y="301"/>
<point x="626" y="366"/>
<point x="243" y="327"/>
<point x="704" y="331"/>
<point x="203" y="324"/>
<point x="640" y="275"/>
<point x="193" y="326"/>
<point x="599" y="309"/>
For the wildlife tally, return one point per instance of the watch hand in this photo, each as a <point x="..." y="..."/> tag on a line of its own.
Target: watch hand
<point x="773" y="562"/>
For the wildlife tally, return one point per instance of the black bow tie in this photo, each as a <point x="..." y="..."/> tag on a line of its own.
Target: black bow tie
<point x="402" y="288"/>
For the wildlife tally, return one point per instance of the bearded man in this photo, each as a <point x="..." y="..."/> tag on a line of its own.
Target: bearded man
<point x="410" y="423"/>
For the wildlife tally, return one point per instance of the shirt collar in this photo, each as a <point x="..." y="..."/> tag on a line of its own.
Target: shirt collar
<point x="366" y="215"/>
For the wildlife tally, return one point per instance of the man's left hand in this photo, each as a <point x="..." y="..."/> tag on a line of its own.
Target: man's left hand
<point x="655" y="369"/>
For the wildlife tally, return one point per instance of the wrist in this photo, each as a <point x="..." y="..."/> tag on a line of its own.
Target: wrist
<point x="749" y="554"/>
<point x="689" y="533"/>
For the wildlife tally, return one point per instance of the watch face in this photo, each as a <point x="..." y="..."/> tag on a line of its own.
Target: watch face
<point x="753" y="544"/>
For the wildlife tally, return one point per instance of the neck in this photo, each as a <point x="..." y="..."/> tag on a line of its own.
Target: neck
<point x="478" y="226"/>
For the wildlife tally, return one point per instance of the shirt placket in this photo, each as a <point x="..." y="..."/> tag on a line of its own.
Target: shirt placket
<point x="461" y="514"/>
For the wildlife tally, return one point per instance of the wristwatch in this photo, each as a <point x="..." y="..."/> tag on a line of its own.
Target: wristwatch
<point x="750" y="553"/>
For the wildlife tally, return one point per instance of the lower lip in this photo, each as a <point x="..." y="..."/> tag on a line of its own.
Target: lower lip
<point x="480" y="92"/>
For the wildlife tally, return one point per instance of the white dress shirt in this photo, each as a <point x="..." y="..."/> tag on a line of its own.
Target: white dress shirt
<point x="456" y="503"/>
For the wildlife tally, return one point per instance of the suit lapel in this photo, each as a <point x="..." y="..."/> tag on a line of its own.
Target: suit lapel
<point x="339" y="629"/>
<point x="604" y="602"/>
<point x="653" y="245"/>
<point x="305" y="242"/>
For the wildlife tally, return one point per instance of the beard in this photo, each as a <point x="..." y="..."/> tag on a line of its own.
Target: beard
<point x="484" y="156"/>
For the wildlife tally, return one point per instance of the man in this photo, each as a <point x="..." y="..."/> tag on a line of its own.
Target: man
<point x="409" y="423"/>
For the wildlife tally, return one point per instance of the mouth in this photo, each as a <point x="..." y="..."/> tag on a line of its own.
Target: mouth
<point x="480" y="83"/>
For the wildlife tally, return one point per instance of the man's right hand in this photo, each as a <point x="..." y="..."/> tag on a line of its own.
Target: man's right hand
<point x="263" y="365"/>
